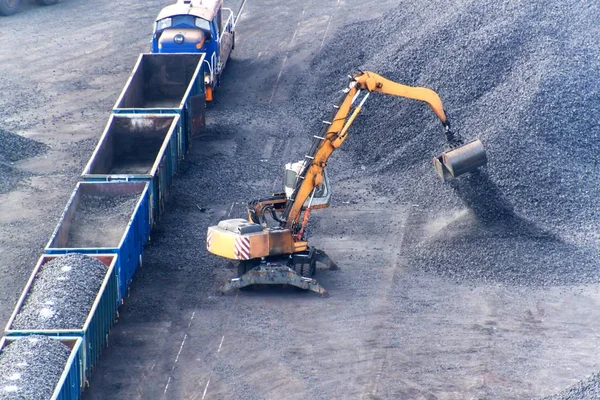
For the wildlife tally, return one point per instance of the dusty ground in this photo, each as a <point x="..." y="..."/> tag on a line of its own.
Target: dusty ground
<point x="390" y="329"/>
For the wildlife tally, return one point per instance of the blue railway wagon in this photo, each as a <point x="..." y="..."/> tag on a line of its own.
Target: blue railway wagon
<point x="100" y="320"/>
<point x="71" y="383"/>
<point x="131" y="239"/>
<point x="138" y="147"/>
<point x="167" y="84"/>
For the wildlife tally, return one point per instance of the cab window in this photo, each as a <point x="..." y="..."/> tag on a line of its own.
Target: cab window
<point x="290" y="178"/>
<point x="203" y="24"/>
<point x="180" y="21"/>
<point x="164" y="24"/>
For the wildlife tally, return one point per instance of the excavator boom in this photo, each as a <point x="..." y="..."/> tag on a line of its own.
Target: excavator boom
<point x="335" y="131"/>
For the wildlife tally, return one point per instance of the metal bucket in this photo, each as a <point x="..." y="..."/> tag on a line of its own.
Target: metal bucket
<point x="455" y="162"/>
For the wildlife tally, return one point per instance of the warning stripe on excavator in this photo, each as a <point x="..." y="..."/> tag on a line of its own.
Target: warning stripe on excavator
<point x="208" y="239"/>
<point x="242" y="248"/>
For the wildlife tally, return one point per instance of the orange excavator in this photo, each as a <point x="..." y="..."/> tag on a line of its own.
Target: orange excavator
<point x="271" y="245"/>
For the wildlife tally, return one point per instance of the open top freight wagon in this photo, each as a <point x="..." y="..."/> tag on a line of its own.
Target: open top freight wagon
<point x="100" y="319"/>
<point x="167" y="84"/>
<point x="71" y="383"/>
<point x="106" y="218"/>
<point x="138" y="147"/>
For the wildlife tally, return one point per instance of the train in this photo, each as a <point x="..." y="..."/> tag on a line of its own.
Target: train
<point x="124" y="187"/>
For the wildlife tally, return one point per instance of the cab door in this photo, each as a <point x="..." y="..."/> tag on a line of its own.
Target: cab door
<point x="225" y="39"/>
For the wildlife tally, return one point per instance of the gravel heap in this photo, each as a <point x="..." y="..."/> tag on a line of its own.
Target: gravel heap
<point x="62" y="293"/>
<point x="588" y="389"/>
<point x="100" y="221"/>
<point x="522" y="76"/>
<point x="9" y="177"/>
<point x="14" y="147"/>
<point x="31" y="367"/>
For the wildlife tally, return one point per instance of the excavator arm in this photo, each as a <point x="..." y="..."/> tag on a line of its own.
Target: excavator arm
<point x="377" y="83"/>
<point x="335" y="131"/>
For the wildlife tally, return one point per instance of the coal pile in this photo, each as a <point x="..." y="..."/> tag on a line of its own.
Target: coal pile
<point x="9" y="177"/>
<point x="30" y="368"/>
<point x="62" y="294"/>
<point x="487" y="241"/>
<point x="588" y="389"/>
<point x="100" y="221"/>
<point x="14" y="147"/>
<point x="521" y="76"/>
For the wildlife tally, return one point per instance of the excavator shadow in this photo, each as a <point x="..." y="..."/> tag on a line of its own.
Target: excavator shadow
<point x="321" y="257"/>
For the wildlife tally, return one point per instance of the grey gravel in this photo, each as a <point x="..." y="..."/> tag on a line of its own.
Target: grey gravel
<point x="587" y="389"/>
<point x="100" y="221"/>
<point x="30" y="368"/>
<point x="9" y="177"/>
<point x="523" y="77"/>
<point x="62" y="294"/>
<point x="14" y="147"/>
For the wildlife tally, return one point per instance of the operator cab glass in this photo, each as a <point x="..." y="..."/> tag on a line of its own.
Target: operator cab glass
<point x="290" y="179"/>
<point x="322" y="194"/>
<point x="203" y="24"/>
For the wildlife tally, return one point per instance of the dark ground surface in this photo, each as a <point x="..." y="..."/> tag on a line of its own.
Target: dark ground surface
<point x="486" y="288"/>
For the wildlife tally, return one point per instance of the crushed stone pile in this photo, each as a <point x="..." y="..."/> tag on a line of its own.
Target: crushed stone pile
<point x="30" y="368"/>
<point x="62" y="294"/>
<point x="14" y="147"/>
<point x="587" y="389"/>
<point x="523" y="77"/>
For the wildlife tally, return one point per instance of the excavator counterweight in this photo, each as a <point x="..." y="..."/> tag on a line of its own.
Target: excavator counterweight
<point x="271" y="245"/>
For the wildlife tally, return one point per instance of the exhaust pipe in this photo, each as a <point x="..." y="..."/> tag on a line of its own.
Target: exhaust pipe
<point x="455" y="162"/>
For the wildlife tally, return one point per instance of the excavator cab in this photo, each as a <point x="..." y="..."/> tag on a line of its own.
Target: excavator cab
<point x="322" y="193"/>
